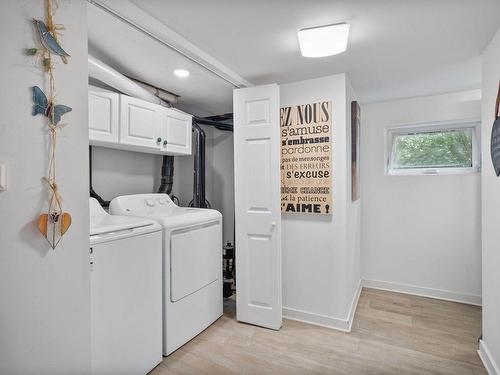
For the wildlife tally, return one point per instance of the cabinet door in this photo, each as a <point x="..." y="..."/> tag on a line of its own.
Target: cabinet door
<point x="177" y="132"/>
<point x="104" y="116"/>
<point x="140" y="123"/>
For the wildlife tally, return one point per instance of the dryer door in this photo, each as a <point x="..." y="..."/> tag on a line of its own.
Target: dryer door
<point x="195" y="259"/>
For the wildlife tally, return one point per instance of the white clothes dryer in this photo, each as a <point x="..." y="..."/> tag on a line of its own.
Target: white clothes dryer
<point x="192" y="263"/>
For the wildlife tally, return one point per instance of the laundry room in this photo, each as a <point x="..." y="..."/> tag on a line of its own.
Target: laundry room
<point x="249" y="187"/>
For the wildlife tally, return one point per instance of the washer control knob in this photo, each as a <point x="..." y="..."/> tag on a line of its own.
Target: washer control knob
<point x="162" y="201"/>
<point x="150" y="203"/>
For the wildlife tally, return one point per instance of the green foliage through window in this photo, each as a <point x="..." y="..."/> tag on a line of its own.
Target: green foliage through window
<point x="441" y="149"/>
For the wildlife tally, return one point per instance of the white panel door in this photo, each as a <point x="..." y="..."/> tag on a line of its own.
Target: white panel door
<point x="177" y="132"/>
<point x="257" y="205"/>
<point x="140" y="122"/>
<point x="103" y="116"/>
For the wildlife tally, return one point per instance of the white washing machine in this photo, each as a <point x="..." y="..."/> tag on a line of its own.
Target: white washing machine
<point x="126" y="293"/>
<point x="192" y="263"/>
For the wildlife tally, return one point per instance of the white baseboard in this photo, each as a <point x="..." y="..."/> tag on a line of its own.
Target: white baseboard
<point x="316" y="319"/>
<point x="487" y="359"/>
<point x="446" y="295"/>
<point x="354" y="304"/>
<point x="331" y="322"/>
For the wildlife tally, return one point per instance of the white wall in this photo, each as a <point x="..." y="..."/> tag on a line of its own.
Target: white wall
<point x="490" y="211"/>
<point x="118" y="172"/>
<point x="222" y="175"/>
<point x="420" y="234"/>
<point x="44" y="294"/>
<point x="318" y="259"/>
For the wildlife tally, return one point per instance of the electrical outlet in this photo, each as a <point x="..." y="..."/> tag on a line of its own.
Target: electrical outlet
<point x="3" y="176"/>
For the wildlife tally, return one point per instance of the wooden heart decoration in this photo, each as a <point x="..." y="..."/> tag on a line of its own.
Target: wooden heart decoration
<point x="53" y="226"/>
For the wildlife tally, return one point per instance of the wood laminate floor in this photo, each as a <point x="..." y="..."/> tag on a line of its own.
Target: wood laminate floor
<point x="392" y="333"/>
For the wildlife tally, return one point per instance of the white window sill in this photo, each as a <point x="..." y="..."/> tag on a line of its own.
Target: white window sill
<point x="432" y="171"/>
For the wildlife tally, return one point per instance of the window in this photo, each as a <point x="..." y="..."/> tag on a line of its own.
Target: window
<point x="441" y="148"/>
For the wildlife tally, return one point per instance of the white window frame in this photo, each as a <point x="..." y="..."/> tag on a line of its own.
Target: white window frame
<point x="406" y="129"/>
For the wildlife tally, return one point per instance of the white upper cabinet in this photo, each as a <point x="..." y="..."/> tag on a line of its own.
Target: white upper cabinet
<point x="104" y="114"/>
<point x="127" y="123"/>
<point x="140" y="123"/>
<point x="176" y="132"/>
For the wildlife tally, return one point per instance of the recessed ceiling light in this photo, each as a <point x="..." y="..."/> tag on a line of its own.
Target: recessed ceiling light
<point x="182" y="73"/>
<point x="325" y="40"/>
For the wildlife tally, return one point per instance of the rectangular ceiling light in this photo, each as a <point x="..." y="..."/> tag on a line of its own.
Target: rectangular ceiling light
<point x="323" y="41"/>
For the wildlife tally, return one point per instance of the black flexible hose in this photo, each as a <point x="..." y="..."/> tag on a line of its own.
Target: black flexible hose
<point x="167" y="175"/>
<point x="92" y="193"/>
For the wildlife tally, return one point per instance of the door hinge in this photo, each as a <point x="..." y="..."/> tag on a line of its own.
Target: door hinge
<point x="91" y="259"/>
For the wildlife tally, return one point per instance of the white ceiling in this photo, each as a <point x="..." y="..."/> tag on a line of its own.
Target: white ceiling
<point x="396" y="48"/>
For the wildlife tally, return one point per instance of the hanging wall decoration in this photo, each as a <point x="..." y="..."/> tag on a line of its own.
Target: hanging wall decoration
<point x="495" y="137"/>
<point x="54" y="222"/>
<point x="306" y="162"/>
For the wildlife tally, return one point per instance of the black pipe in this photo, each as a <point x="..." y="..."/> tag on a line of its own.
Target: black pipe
<point x="199" y="199"/>
<point x="216" y="124"/>
<point x="92" y="193"/>
<point x="167" y="175"/>
<point x="221" y="118"/>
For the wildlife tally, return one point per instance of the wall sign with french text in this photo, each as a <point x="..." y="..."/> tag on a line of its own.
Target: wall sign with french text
<point x="306" y="153"/>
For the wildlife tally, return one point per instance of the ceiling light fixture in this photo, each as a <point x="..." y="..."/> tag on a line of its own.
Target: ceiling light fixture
<point x="323" y="41"/>
<point x="182" y="73"/>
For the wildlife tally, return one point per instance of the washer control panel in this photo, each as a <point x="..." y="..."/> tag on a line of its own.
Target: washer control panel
<point x="142" y="204"/>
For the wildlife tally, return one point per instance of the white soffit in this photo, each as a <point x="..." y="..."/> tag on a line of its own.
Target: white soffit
<point x="150" y="25"/>
<point x="138" y="55"/>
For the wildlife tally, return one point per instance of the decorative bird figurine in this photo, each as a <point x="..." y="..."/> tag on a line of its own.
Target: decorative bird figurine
<point x="49" y="41"/>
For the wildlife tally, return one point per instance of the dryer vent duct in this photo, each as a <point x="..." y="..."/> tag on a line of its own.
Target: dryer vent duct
<point x="113" y="78"/>
<point x="164" y="95"/>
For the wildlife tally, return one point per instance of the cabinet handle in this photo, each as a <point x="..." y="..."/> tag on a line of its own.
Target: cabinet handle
<point x="165" y="142"/>
<point x="158" y="140"/>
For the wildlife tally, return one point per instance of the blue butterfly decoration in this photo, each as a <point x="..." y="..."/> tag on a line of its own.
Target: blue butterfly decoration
<point x="42" y="106"/>
<point x="48" y="39"/>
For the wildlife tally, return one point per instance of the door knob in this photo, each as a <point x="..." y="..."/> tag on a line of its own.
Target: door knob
<point x="273" y="224"/>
